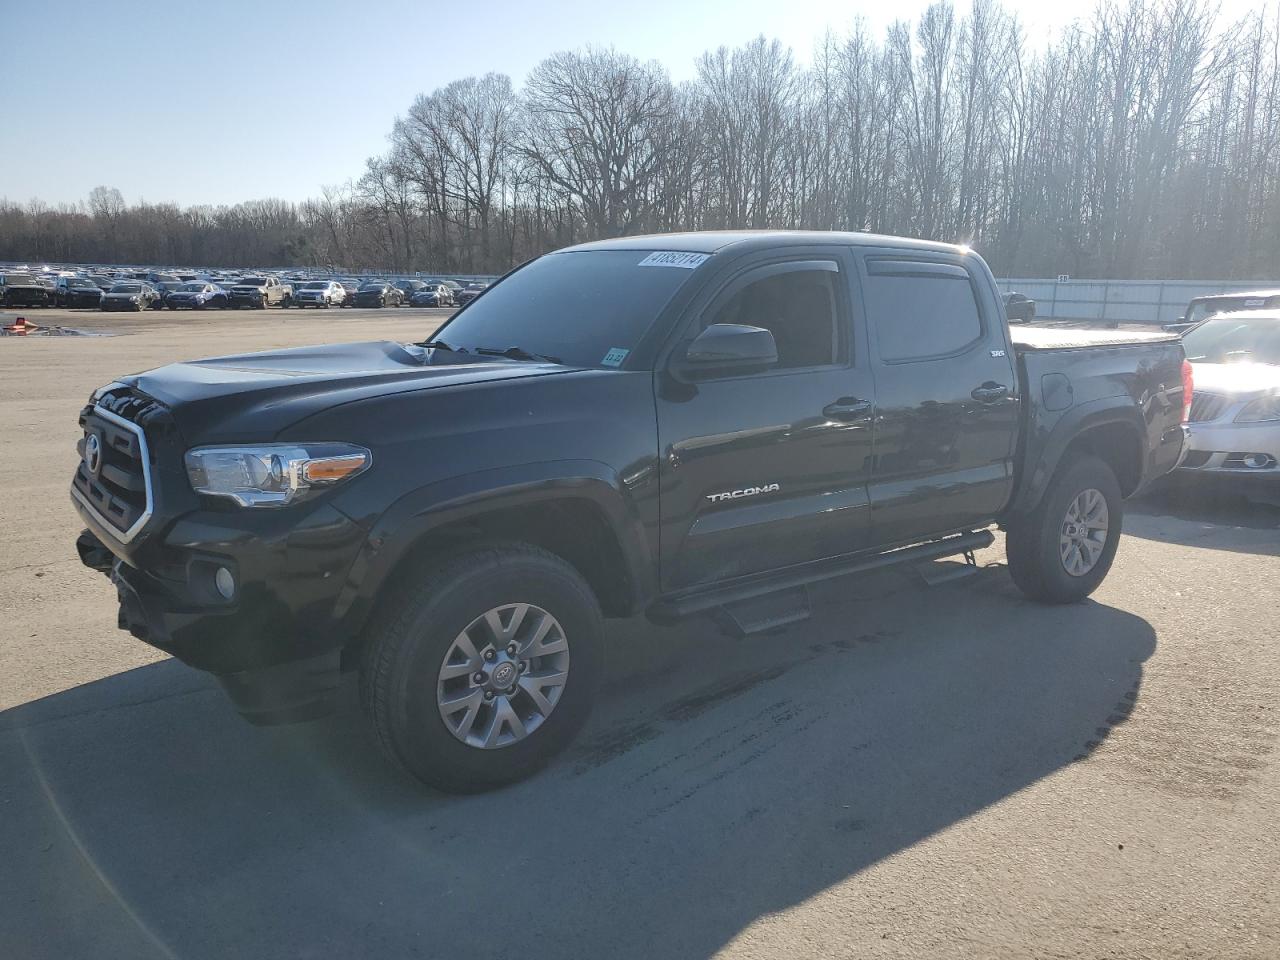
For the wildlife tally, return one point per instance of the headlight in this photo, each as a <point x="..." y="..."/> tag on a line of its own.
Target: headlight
<point x="273" y="474"/>
<point x="1268" y="408"/>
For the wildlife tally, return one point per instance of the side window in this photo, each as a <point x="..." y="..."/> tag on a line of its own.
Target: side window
<point x="922" y="314"/>
<point x="798" y="307"/>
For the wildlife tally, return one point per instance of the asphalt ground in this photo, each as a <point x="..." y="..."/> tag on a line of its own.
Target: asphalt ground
<point x="917" y="771"/>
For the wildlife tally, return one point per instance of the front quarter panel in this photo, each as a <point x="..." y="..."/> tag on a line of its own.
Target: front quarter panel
<point x="444" y="454"/>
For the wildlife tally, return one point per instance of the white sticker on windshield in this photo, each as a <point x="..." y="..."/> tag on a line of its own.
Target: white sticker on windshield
<point x="674" y="258"/>
<point x="614" y="357"/>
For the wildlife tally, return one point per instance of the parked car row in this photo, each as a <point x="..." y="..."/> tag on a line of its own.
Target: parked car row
<point x="181" y="290"/>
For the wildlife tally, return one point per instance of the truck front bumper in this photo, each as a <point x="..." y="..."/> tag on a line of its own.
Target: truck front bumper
<point x="258" y="608"/>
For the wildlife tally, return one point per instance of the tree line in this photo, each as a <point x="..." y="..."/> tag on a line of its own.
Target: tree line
<point x="1142" y="142"/>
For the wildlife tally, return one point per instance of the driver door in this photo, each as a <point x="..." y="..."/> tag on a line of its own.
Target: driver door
<point x="770" y="468"/>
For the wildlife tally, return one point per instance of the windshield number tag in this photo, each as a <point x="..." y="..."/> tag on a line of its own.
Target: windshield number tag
<point x="614" y="357"/>
<point x="674" y="258"/>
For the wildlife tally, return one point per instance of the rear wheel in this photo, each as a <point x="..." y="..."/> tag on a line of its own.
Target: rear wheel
<point x="483" y="667"/>
<point x="1062" y="550"/>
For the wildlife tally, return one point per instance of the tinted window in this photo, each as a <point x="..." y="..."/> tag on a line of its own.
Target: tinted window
<point x="252" y="282"/>
<point x="798" y="308"/>
<point x="578" y="306"/>
<point x="127" y="288"/>
<point x="917" y="316"/>
<point x="315" y="285"/>
<point x="76" y="282"/>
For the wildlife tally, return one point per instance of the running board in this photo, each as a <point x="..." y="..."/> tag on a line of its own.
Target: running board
<point x="693" y="602"/>
<point x="934" y="574"/>
<point x="767" y="614"/>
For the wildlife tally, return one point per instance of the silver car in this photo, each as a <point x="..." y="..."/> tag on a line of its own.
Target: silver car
<point x="1234" y="424"/>
<point x="318" y="293"/>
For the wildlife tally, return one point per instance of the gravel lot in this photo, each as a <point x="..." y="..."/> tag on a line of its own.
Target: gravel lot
<point x="916" y="772"/>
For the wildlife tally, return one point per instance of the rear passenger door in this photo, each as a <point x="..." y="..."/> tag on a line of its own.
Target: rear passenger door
<point x="946" y="393"/>
<point x="765" y="469"/>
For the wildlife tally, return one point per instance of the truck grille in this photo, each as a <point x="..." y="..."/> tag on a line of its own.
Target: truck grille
<point x="1207" y="406"/>
<point x="113" y="477"/>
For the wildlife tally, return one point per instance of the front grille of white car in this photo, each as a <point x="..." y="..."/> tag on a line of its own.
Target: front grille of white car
<point x="1207" y="406"/>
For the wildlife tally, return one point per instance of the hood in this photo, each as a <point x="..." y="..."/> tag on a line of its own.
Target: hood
<point x="1244" y="381"/>
<point x="252" y="397"/>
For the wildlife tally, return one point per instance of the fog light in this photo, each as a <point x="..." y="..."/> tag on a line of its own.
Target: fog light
<point x="225" y="583"/>
<point x="1258" y="461"/>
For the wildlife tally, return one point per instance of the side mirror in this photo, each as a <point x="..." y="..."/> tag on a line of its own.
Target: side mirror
<point x="726" y="347"/>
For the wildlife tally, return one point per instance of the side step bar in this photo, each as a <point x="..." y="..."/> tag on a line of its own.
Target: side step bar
<point x="694" y="602"/>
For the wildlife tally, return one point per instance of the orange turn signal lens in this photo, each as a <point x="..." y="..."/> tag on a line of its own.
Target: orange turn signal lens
<point x="332" y="469"/>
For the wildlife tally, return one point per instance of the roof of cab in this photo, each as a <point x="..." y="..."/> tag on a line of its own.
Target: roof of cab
<point x="713" y="241"/>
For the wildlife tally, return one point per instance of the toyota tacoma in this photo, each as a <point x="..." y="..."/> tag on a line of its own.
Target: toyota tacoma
<point x="669" y="426"/>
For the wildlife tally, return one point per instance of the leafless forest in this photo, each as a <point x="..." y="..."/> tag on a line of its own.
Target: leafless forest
<point x="1142" y="142"/>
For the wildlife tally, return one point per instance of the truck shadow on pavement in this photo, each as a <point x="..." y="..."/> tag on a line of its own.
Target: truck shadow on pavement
<point x="719" y="781"/>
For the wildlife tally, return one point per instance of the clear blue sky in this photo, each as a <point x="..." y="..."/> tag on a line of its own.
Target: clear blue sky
<point x="228" y="100"/>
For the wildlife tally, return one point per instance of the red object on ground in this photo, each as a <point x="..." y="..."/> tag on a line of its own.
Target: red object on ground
<point x="21" y="327"/>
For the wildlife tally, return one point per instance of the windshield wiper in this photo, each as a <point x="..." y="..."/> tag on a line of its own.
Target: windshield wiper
<point x="441" y="345"/>
<point x="517" y="353"/>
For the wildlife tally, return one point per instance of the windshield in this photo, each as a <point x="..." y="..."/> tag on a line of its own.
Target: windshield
<point x="14" y="279"/>
<point x="372" y="286"/>
<point x="252" y="282"/>
<point x="315" y="285"/>
<point x="193" y="287"/>
<point x="127" y="288"/>
<point x="1235" y="340"/>
<point x="581" y="307"/>
<point x="1206" y="308"/>
<point x="77" y="282"/>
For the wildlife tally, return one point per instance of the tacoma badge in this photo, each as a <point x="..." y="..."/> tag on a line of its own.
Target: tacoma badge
<point x="744" y="492"/>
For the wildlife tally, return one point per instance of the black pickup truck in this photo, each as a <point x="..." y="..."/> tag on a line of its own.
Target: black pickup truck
<point x="674" y="426"/>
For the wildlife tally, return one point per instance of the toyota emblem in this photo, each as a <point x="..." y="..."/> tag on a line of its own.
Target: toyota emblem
<point x="93" y="453"/>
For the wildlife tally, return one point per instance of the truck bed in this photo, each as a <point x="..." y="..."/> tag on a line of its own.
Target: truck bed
<point x="1028" y="338"/>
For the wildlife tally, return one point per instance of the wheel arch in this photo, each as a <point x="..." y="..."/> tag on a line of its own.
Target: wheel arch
<point x="1111" y="429"/>
<point x="578" y="512"/>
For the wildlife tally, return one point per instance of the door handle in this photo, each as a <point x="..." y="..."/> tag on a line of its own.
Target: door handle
<point x="848" y="408"/>
<point x="990" y="392"/>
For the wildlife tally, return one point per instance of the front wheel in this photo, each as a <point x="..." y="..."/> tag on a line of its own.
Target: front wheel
<point x="1062" y="550"/>
<point x="484" y="667"/>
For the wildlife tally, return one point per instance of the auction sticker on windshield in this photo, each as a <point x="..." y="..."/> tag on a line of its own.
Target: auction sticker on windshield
<point x="614" y="357"/>
<point x="674" y="258"/>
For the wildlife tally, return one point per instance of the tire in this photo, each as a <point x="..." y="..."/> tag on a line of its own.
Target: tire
<point x="1035" y="545"/>
<point x="409" y="642"/>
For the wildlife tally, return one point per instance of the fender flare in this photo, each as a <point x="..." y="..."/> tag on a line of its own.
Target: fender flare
<point x="416" y="514"/>
<point x="1076" y="421"/>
